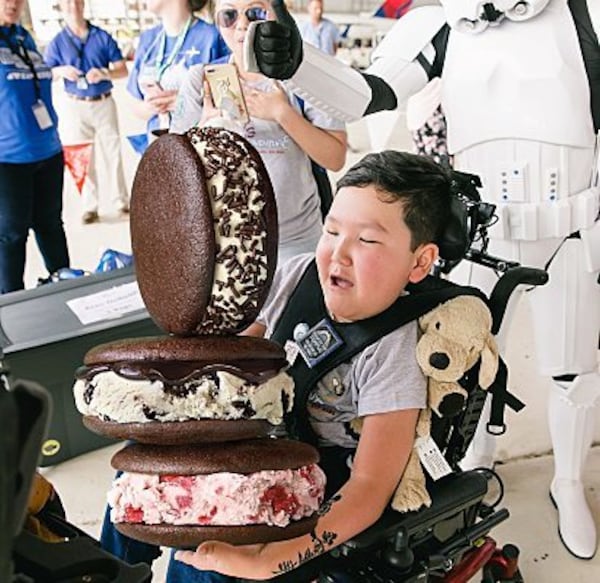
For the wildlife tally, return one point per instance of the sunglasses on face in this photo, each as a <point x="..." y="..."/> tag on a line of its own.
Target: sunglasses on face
<point x="227" y="17"/>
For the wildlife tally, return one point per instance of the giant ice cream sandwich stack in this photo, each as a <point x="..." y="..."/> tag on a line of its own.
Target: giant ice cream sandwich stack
<point x="201" y="401"/>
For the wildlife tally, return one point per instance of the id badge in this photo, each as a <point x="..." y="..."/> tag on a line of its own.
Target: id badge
<point x="82" y="84"/>
<point x="318" y="342"/>
<point x="164" y="121"/>
<point x="40" y="111"/>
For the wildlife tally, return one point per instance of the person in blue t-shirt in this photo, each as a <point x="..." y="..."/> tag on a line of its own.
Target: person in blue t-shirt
<point x="164" y="54"/>
<point x="319" y="31"/>
<point x="31" y="159"/>
<point x="87" y="58"/>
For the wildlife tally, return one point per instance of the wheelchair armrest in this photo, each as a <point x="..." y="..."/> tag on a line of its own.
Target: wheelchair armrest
<point x="513" y="277"/>
<point x="448" y="495"/>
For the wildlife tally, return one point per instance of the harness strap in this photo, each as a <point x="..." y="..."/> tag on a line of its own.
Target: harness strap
<point x="306" y="305"/>
<point x="590" y="49"/>
<point x="501" y="398"/>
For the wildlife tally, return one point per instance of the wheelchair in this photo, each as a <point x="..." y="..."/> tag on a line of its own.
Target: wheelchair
<point x="447" y="542"/>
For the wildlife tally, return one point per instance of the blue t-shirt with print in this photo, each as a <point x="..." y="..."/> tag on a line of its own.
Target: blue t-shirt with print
<point x="202" y="44"/>
<point x="96" y="51"/>
<point x="21" y="139"/>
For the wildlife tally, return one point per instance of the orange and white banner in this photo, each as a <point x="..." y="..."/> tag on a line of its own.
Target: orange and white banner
<point x="77" y="160"/>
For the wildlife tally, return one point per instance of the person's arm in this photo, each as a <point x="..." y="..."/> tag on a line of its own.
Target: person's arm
<point x="256" y="329"/>
<point x="383" y="450"/>
<point x="275" y="49"/>
<point x="190" y="99"/>
<point x="116" y="70"/>
<point x="326" y="148"/>
<point x="66" y="72"/>
<point x="54" y="60"/>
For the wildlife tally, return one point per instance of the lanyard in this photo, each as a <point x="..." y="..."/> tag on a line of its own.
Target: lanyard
<point x="21" y="52"/>
<point x="161" y="66"/>
<point x="80" y="48"/>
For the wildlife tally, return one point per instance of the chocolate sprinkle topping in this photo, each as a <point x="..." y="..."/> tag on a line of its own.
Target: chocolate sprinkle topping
<point x="238" y="216"/>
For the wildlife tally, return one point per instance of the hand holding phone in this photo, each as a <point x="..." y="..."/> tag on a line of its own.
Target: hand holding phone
<point x="226" y="91"/>
<point x="150" y="88"/>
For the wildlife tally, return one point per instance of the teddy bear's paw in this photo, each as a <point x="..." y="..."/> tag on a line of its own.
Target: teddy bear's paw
<point x="451" y="405"/>
<point x="410" y="496"/>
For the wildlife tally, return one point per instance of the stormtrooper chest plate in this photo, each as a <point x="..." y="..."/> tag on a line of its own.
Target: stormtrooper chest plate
<point x="520" y="80"/>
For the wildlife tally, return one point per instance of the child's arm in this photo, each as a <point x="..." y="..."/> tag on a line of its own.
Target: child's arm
<point x="326" y="147"/>
<point x="384" y="447"/>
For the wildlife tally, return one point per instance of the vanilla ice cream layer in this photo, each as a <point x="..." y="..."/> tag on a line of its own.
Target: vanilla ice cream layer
<point x="218" y="395"/>
<point x="273" y="497"/>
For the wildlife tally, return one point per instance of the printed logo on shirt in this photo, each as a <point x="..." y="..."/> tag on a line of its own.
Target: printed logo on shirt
<point x="328" y="398"/>
<point x="272" y="145"/>
<point x="8" y="58"/>
<point x="22" y="73"/>
<point x="190" y="54"/>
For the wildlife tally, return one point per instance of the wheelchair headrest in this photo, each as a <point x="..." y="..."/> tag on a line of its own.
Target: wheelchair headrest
<point x="24" y="417"/>
<point x="468" y="220"/>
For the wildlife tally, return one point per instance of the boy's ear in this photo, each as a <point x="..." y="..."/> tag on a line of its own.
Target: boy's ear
<point x="425" y="257"/>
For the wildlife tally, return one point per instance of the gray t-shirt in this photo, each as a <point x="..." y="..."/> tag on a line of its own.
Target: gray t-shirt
<point x="384" y="377"/>
<point x="288" y="166"/>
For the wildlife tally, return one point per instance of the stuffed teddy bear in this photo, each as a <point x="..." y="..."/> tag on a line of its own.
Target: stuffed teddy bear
<point x="453" y="337"/>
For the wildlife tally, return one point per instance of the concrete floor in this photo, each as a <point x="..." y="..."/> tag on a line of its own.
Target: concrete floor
<point x="82" y="482"/>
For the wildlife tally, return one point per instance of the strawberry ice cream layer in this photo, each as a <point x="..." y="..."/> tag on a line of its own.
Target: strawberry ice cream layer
<point x="273" y="497"/>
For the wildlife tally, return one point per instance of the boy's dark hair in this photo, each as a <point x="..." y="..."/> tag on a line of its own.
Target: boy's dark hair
<point x="420" y="184"/>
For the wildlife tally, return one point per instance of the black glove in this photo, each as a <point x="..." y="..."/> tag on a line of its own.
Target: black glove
<point x="278" y="44"/>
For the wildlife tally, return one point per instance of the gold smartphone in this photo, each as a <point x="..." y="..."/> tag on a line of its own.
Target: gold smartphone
<point x="226" y="91"/>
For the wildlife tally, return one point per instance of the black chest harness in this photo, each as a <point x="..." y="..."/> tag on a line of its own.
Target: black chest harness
<point x="332" y="343"/>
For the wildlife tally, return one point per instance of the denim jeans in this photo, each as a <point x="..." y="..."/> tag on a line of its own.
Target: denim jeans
<point x="132" y="552"/>
<point x="31" y="198"/>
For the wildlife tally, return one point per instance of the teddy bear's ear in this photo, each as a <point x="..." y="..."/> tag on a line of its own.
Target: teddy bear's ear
<point x="489" y="362"/>
<point x="425" y="319"/>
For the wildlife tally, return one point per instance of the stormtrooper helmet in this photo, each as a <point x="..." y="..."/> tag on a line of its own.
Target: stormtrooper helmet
<point x="474" y="16"/>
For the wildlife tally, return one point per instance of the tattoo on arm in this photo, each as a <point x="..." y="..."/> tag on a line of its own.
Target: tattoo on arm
<point x="326" y="506"/>
<point x="318" y="545"/>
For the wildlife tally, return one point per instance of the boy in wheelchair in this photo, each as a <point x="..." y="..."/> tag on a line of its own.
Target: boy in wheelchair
<point x="380" y="236"/>
<point x="391" y="209"/>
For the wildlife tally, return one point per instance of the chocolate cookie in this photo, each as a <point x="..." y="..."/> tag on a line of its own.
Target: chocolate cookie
<point x="204" y="232"/>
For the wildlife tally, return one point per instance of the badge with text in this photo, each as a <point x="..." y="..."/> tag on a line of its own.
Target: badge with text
<point x="40" y="111"/>
<point x="318" y="342"/>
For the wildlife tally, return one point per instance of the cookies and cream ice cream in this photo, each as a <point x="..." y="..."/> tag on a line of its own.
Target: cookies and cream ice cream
<point x="121" y="396"/>
<point x="165" y="379"/>
<point x="235" y="191"/>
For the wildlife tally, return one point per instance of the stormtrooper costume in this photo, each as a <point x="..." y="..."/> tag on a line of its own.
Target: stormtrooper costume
<point x="518" y="96"/>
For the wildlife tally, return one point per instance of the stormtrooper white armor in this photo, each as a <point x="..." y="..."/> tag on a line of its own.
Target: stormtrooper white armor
<point x="517" y="100"/>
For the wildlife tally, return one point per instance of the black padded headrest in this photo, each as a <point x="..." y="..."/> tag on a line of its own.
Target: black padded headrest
<point x="469" y="217"/>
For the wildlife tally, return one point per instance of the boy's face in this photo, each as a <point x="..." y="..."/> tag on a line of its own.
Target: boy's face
<point x="364" y="256"/>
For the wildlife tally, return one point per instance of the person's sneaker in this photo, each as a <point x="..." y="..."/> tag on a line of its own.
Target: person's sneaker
<point x="90" y="217"/>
